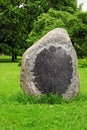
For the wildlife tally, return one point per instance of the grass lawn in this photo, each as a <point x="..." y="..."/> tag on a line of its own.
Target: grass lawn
<point x="17" y="113"/>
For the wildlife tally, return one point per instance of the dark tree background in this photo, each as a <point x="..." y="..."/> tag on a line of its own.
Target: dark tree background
<point x="24" y="22"/>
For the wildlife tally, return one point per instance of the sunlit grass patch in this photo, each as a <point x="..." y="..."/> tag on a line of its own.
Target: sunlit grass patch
<point x="22" y="112"/>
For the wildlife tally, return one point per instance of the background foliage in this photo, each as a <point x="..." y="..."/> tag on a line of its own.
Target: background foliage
<point x="23" y="23"/>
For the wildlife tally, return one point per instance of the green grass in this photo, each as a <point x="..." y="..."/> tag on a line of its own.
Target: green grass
<point x="20" y="112"/>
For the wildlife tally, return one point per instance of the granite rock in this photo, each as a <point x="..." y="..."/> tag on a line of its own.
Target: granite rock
<point x="50" y="66"/>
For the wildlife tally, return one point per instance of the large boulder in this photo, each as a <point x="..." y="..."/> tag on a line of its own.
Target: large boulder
<point x="50" y="66"/>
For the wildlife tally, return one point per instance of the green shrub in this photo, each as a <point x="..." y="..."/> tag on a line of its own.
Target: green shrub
<point x="19" y="62"/>
<point x="82" y="63"/>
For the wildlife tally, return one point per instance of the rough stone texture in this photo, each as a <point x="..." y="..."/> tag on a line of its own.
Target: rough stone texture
<point x="50" y="65"/>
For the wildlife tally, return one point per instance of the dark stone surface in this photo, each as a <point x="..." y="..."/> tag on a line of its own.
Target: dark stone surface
<point x="53" y="70"/>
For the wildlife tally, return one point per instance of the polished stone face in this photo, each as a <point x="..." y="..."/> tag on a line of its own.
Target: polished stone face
<point x="53" y="70"/>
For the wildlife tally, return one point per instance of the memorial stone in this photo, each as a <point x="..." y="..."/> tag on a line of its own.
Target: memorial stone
<point x="50" y="66"/>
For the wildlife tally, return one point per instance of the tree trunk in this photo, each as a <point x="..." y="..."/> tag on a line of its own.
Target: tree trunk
<point x="13" y="57"/>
